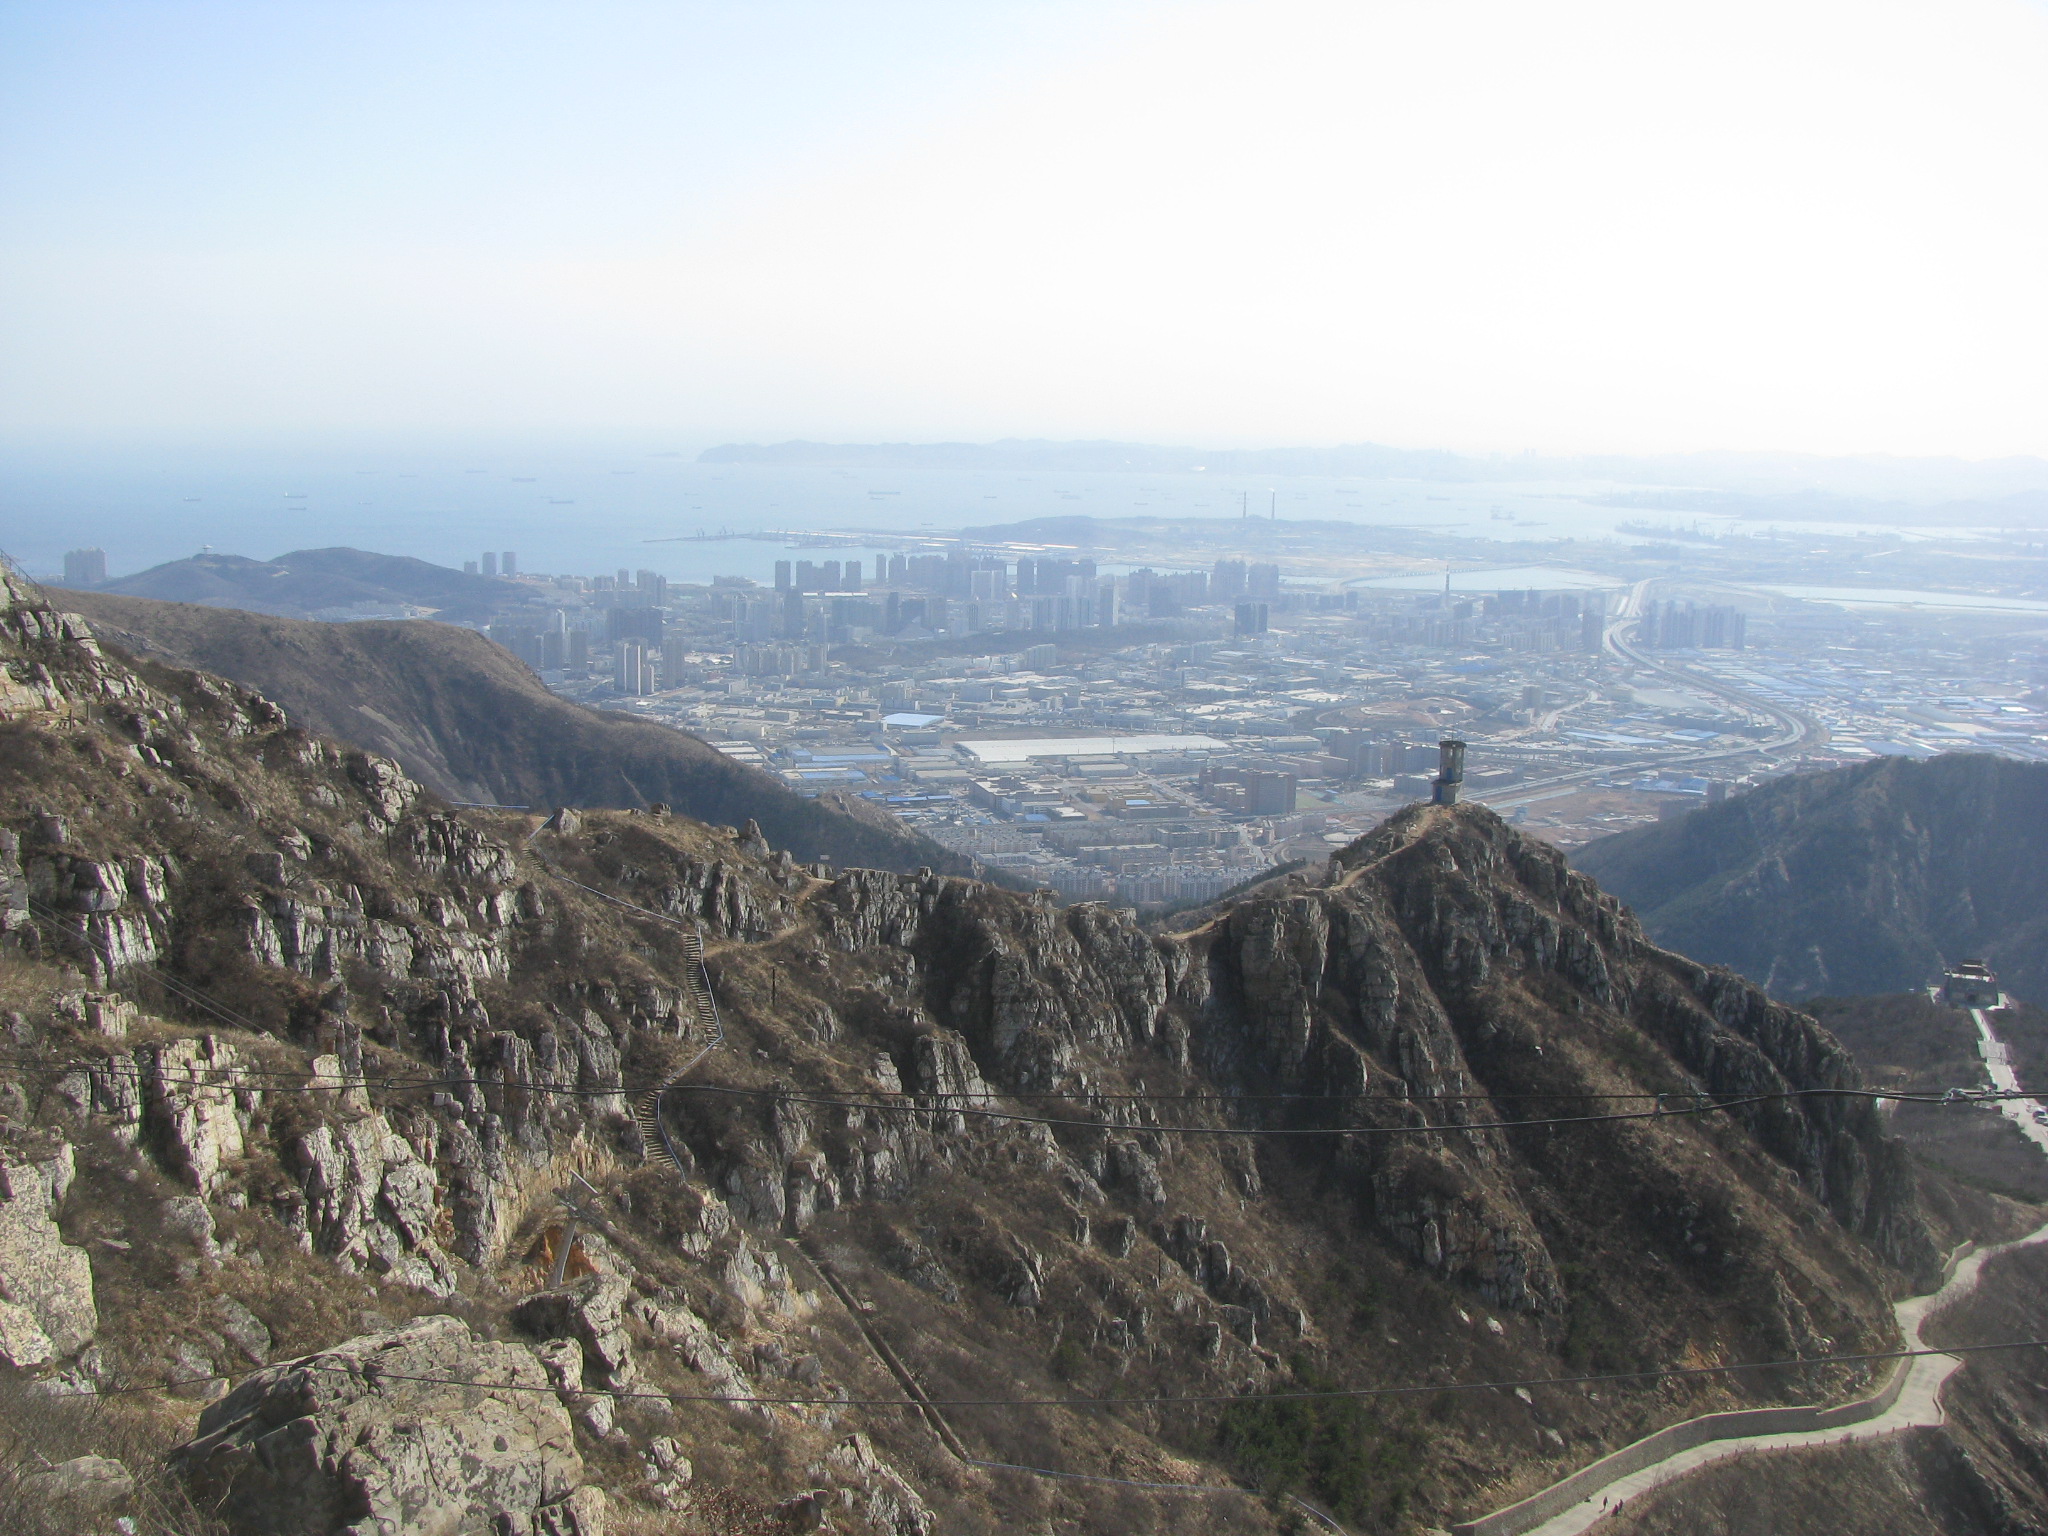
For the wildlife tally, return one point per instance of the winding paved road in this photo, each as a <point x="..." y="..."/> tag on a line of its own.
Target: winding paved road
<point x="1919" y="1401"/>
<point x="1998" y="1062"/>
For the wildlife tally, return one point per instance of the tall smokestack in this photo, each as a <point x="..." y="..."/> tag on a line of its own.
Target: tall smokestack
<point x="1450" y="773"/>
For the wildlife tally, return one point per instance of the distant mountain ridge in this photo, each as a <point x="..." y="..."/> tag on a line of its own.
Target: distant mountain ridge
<point x="469" y="720"/>
<point x="312" y="581"/>
<point x="1858" y="880"/>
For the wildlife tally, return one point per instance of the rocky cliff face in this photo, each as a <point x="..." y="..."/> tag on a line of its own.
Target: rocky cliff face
<point x="1860" y="880"/>
<point x="330" y="1057"/>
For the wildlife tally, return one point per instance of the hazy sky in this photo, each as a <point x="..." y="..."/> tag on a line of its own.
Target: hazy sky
<point x="1815" y="224"/>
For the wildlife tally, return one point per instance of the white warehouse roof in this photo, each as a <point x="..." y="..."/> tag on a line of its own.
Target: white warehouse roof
<point x="1086" y="746"/>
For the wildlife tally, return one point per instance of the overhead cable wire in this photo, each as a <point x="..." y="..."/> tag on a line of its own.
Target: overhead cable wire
<point x="288" y="1081"/>
<point x="963" y="1102"/>
<point x="267" y="1082"/>
<point x="371" y="1372"/>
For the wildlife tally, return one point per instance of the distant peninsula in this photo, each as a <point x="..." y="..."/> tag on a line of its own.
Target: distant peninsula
<point x="1930" y="480"/>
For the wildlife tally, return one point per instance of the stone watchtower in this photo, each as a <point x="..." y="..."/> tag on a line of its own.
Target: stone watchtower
<point x="1971" y="984"/>
<point x="1450" y="773"/>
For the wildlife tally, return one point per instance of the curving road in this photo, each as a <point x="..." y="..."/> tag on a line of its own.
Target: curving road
<point x="1795" y="730"/>
<point x="1919" y="1401"/>
<point x="1998" y="1063"/>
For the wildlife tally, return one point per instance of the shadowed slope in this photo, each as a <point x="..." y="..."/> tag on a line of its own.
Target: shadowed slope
<point x="471" y="721"/>
<point x="1861" y="880"/>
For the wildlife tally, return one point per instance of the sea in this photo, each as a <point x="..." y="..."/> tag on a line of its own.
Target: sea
<point x="587" y="510"/>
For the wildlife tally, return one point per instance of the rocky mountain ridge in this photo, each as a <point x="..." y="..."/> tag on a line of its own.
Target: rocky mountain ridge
<point x="332" y="1067"/>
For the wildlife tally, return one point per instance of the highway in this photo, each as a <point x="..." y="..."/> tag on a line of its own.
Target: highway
<point x="1795" y="731"/>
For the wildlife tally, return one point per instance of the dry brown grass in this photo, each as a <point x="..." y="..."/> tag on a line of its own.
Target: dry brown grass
<point x="39" y="1431"/>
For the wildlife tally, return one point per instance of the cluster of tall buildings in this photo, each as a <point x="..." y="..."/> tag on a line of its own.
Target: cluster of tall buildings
<point x="627" y="613"/>
<point x="85" y="567"/>
<point x="1672" y="626"/>
<point x="1515" y="621"/>
<point x="1250" y="791"/>
<point x="546" y="645"/>
<point x="818" y="576"/>
<point x="957" y="574"/>
<point x="963" y="593"/>
<point x="492" y="562"/>
<point x="1165" y="595"/>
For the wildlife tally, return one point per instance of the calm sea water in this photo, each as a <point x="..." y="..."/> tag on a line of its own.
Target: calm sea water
<point x="592" y="510"/>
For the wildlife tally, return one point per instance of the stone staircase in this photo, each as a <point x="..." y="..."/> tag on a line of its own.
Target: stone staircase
<point x="654" y="1137"/>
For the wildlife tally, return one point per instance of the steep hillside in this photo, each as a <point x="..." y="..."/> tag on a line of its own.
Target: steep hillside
<point x="470" y="721"/>
<point x="1977" y="1475"/>
<point x="1859" y="880"/>
<point x="304" y="1077"/>
<point x="308" y="581"/>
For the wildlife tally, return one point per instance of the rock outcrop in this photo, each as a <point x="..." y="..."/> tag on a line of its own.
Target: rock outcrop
<point x="422" y="1429"/>
<point x="46" y="1295"/>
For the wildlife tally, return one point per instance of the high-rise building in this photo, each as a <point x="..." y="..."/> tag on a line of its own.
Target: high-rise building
<point x="643" y="624"/>
<point x="1226" y="582"/>
<point x="1724" y="628"/>
<point x="490" y="562"/>
<point x="782" y="575"/>
<point x="1270" y="794"/>
<point x="469" y="568"/>
<point x="633" y="668"/>
<point x="1262" y="582"/>
<point x="508" y="564"/>
<point x="1252" y="618"/>
<point x="849" y="579"/>
<point x="85" y="567"/>
<point x="1674" y="628"/>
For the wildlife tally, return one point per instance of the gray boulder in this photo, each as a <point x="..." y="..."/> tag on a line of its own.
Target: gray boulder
<point x="423" y="1430"/>
<point x="46" y="1302"/>
<point x="84" y="1482"/>
<point x="593" y="1314"/>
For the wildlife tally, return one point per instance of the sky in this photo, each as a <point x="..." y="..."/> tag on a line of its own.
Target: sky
<point x="1491" y="225"/>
